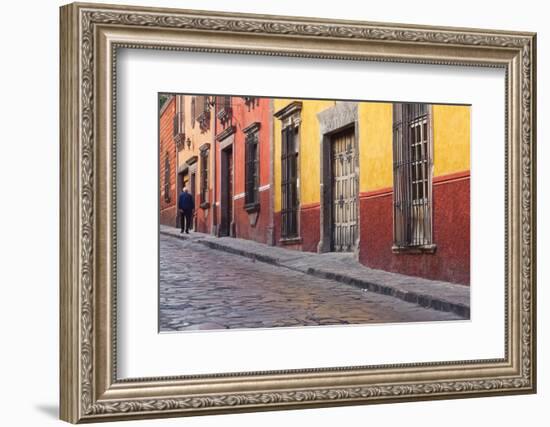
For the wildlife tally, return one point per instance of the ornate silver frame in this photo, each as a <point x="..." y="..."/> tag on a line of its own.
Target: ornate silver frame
<point x="90" y="36"/>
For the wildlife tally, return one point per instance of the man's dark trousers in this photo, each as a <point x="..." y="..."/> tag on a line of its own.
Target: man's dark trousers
<point x="186" y="219"/>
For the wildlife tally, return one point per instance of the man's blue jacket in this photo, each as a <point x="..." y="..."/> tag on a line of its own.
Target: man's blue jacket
<point x="186" y="202"/>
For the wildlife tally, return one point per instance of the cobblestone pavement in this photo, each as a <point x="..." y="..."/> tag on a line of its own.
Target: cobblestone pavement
<point x="343" y="268"/>
<point x="204" y="288"/>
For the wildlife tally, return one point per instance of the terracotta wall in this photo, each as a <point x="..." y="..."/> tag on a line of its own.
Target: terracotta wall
<point x="167" y="147"/>
<point x="255" y="225"/>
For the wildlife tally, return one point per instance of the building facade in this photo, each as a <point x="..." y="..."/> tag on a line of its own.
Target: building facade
<point x="167" y="163"/>
<point x="416" y="198"/>
<point x="243" y="168"/>
<point x="193" y="137"/>
<point x="297" y="173"/>
<point x="388" y="182"/>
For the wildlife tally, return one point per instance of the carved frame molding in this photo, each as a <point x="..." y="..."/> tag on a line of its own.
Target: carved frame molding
<point x="90" y="37"/>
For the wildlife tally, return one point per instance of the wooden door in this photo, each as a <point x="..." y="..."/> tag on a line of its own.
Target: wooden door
<point x="344" y="192"/>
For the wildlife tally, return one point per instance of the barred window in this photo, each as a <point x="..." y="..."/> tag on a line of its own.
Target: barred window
<point x="252" y="169"/>
<point x="289" y="183"/>
<point x="412" y="176"/>
<point x="167" y="178"/>
<point x="205" y="155"/>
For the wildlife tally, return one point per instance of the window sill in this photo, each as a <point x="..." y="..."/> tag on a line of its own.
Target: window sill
<point x="290" y="240"/>
<point x="252" y="207"/>
<point x="422" y="249"/>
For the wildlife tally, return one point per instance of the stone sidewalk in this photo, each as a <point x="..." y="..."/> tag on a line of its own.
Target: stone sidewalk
<point x="344" y="268"/>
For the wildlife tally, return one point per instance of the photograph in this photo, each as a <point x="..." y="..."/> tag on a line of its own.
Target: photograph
<point x="282" y="212"/>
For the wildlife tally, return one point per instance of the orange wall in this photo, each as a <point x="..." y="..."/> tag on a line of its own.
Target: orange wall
<point x="167" y="146"/>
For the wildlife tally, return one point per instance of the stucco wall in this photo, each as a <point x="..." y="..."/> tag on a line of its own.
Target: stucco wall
<point x="309" y="156"/>
<point x="375" y="146"/>
<point x="197" y="137"/>
<point x="167" y="148"/>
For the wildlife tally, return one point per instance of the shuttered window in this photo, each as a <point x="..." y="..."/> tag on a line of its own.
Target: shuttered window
<point x="289" y="183"/>
<point x="251" y="169"/>
<point x="412" y="173"/>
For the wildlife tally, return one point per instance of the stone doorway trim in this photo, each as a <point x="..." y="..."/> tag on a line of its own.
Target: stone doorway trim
<point x="342" y="116"/>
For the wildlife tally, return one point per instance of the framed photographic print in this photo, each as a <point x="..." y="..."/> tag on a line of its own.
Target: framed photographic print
<point x="267" y="212"/>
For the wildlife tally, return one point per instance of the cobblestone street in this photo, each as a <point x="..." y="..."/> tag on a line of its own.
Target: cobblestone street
<point x="205" y="288"/>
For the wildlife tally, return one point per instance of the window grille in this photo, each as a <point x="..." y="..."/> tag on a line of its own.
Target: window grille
<point x="289" y="183"/>
<point x="412" y="173"/>
<point x="251" y="169"/>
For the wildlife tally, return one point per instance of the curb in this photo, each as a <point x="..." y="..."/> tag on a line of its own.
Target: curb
<point x="426" y="301"/>
<point x="423" y="300"/>
<point x="176" y="236"/>
<point x="215" y="245"/>
<point x="257" y="257"/>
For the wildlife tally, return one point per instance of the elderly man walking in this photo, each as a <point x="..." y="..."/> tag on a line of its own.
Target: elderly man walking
<point x="186" y="205"/>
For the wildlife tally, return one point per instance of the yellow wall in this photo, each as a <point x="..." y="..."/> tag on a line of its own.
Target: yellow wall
<point x="375" y="146"/>
<point x="451" y="127"/>
<point x="310" y="150"/>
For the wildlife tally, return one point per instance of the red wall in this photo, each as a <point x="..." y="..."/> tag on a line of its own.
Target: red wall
<point x="202" y="218"/>
<point x="168" y="210"/>
<point x="310" y="229"/>
<point x="243" y="228"/>
<point x="242" y="117"/>
<point x="451" y="234"/>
